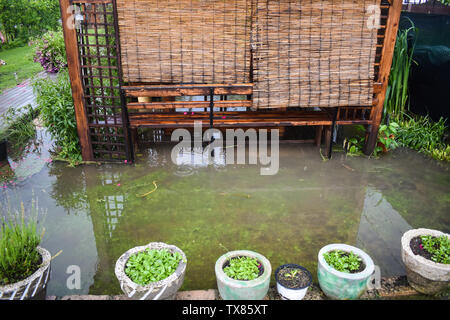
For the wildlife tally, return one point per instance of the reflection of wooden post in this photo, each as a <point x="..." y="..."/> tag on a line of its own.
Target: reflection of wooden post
<point x="318" y="140"/>
<point x="73" y="62"/>
<point x="385" y="69"/>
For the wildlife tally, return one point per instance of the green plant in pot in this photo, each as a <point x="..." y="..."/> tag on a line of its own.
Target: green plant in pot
<point x="243" y="275"/>
<point x="24" y="265"/>
<point x="152" y="272"/>
<point x="344" y="271"/>
<point x="426" y="255"/>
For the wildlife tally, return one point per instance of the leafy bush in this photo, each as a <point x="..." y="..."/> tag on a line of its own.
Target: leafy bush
<point x="424" y="135"/>
<point x="152" y="266"/>
<point x="243" y="268"/>
<point x="343" y="261"/>
<point x="50" y="51"/>
<point x="439" y="247"/>
<point x="55" y="105"/>
<point x="386" y="140"/>
<point x="21" y="20"/>
<point x="18" y="124"/>
<point x="19" y="239"/>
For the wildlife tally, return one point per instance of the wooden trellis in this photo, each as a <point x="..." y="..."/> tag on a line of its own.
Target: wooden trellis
<point x="143" y="63"/>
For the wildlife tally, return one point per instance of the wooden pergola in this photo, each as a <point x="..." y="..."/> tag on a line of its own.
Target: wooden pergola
<point x="229" y="63"/>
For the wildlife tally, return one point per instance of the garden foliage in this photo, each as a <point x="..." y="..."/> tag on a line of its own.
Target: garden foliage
<point x="50" y="51"/>
<point x="55" y="105"/>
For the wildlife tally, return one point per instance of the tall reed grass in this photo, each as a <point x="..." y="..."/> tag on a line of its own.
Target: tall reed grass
<point x="397" y="92"/>
<point x="19" y="238"/>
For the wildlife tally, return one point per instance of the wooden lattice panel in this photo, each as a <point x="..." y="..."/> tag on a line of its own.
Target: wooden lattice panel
<point x="185" y="41"/>
<point x="314" y="53"/>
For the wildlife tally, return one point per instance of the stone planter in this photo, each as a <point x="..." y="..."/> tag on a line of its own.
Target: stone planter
<point x="31" y="286"/>
<point x="341" y="285"/>
<point x="292" y="293"/>
<point x="425" y="276"/>
<point x="165" y="289"/>
<point x="231" y="289"/>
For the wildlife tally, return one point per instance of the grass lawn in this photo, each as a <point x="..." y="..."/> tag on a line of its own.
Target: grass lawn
<point x="18" y="60"/>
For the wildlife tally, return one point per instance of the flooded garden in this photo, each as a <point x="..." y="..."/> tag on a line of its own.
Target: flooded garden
<point x="94" y="213"/>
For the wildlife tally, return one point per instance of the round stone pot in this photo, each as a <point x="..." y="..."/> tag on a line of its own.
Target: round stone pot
<point x="231" y="289"/>
<point x="292" y="293"/>
<point x="425" y="276"/>
<point x="341" y="285"/>
<point x="165" y="289"/>
<point x="31" y="286"/>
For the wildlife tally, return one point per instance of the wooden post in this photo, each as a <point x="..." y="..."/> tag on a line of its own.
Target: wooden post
<point x="73" y="62"/>
<point x="318" y="139"/>
<point x="385" y="69"/>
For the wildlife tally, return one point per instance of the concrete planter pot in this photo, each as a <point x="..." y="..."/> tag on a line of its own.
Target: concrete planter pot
<point x="165" y="289"/>
<point x="292" y="293"/>
<point x="425" y="276"/>
<point x="341" y="285"/>
<point x="32" y="286"/>
<point x="231" y="289"/>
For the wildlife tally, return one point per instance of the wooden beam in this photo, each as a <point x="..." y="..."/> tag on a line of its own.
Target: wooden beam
<point x="190" y="104"/>
<point x="384" y="72"/>
<point x="73" y="62"/>
<point x="187" y="90"/>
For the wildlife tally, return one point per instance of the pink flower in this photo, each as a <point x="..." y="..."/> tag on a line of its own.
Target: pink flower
<point x="118" y="184"/>
<point x="126" y="161"/>
<point x="224" y="117"/>
<point x="185" y="113"/>
<point x="421" y="246"/>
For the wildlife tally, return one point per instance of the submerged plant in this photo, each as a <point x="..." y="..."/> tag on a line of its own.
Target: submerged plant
<point x="152" y="265"/>
<point x="19" y="239"/>
<point x="342" y="261"/>
<point x="243" y="268"/>
<point x="424" y="135"/>
<point x="438" y="247"/>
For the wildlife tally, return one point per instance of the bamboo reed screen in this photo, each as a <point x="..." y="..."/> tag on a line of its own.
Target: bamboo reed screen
<point x="313" y="53"/>
<point x="299" y="53"/>
<point x="185" y="41"/>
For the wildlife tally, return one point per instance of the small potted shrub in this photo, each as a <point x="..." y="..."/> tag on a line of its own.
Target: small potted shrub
<point x="24" y="265"/>
<point x="344" y="271"/>
<point x="152" y="272"/>
<point x="426" y="255"/>
<point x="293" y="281"/>
<point x="243" y="275"/>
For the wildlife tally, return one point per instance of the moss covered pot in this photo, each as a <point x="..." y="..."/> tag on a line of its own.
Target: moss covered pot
<point x="231" y="289"/>
<point x="341" y="285"/>
<point x="425" y="276"/>
<point x="33" y="285"/>
<point x="165" y="289"/>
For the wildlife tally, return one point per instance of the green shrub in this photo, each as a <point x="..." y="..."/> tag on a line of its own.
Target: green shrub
<point x="55" y="105"/>
<point x="424" y="135"/>
<point x="19" y="239"/>
<point x="18" y="124"/>
<point x="50" y="51"/>
<point x="21" y="20"/>
<point x="243" y="268"/>
<point x="343" y="261"/>
<point x="152" y="266"/>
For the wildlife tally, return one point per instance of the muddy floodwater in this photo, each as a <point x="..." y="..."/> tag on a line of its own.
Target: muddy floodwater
<point x="95" y="213"/>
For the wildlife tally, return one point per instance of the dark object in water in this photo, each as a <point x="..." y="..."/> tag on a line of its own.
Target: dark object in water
<point x="3" y="150"/>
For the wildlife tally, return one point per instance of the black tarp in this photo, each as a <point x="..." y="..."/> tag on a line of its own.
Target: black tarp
<point x="430" y="75"/>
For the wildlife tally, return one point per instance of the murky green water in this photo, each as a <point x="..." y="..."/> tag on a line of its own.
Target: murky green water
<point x="94" y="213"/>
